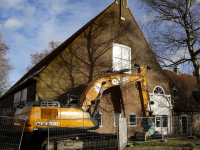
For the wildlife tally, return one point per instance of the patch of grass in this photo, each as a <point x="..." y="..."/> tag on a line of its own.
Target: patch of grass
<point x="171" y="144"/>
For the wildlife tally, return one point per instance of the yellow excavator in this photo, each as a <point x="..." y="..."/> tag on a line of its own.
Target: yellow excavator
<point x="41" y="115"/>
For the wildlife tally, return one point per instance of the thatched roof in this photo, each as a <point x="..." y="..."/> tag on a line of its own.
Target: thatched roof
<point x="185" y="89"/>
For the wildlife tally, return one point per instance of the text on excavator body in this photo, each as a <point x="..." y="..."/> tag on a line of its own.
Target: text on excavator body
<point x="120" y="80"/>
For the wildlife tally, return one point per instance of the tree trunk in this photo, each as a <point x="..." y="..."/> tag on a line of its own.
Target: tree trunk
<point x="90" y="78"/>
<point x="197" y="72"/>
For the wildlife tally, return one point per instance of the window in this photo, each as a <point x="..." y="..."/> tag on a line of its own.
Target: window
<point x="157" y="121"/>
<point x="24" y="95"/>
<point x="184" y="123"/>
<point x="164" y="121"/>
<point x="116" y="119"/>
<point x="198" y="118"/>
<point x="17" y="97"/>
<point x="20" y="97"/>
<point x="132" y="119"/>
<point x="158" y="90"/>
<point x="121" y="57"/>
<point x="3" y="111"/>
<point x="9" y="110"/>
<point x="100" y="120"/>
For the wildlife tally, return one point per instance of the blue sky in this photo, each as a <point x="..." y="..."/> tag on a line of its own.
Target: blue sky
<point x="28" y="25"/>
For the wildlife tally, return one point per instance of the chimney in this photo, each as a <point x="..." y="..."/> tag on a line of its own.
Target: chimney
<point x="123" y="4"/>
<point x="176" y="70"/>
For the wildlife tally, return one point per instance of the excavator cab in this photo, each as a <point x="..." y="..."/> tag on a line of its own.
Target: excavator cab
<point x="70" y="101"/>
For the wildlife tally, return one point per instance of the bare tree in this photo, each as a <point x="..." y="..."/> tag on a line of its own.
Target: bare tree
<point x="173" y="29"/>
<point x="4" y="66"/>
<point x="36" y="57"/>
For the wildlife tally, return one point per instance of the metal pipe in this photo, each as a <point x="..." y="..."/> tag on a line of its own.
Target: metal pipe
<point x="170" y="116"/>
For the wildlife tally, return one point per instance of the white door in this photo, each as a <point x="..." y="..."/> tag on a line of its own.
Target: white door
<point x="162" y="110"/>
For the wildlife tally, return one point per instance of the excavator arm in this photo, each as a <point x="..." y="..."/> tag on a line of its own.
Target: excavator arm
<point x="97" y="86"/>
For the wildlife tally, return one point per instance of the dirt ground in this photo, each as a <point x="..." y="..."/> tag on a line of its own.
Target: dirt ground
<point x="170" y="144"/>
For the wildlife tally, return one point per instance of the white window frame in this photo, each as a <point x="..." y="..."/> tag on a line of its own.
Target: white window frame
<point x="160" y="91"/>
<point x="101" y="124"/>
<point x="117" y="114"/>
<point x="130" y="125"/>
<point x="121" y="49"/>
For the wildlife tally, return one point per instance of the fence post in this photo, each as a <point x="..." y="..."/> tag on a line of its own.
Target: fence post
<point x="48" y="134"/>
<point x="161" y="126"/>
<point x="118" y="134"/>
<point x="170" y="117"/>
<point x="190" y="125"/>
<point x="24" y="121"/>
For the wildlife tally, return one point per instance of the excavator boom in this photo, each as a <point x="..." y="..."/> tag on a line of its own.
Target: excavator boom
<point x="93" y="90"/>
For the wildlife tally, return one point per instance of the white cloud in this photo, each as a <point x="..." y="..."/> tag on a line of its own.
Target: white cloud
<point x="6" y="4"/>
<point x="30" y="10"/>
<point x="12" y="23"/>
<point x="146" y="18"/>
<point x="18" y="37"/>
<point x="167" y="23"/>
<point x="174" y="56"/>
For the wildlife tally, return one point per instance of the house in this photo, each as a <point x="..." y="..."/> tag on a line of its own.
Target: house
<point x="112" y="40"/>
<point x="186" y="100"/>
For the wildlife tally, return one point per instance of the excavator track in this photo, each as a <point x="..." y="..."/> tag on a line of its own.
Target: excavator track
<point x="74" y="141"/>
